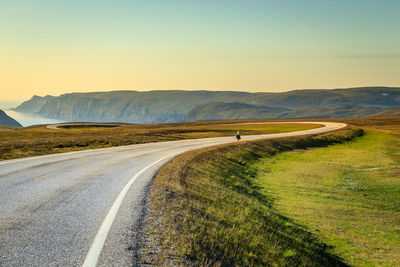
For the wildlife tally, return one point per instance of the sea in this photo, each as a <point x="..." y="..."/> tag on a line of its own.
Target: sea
<point x="28" y="119"/>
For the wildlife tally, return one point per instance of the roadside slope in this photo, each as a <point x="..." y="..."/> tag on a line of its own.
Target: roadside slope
<point x="207" y="209"/>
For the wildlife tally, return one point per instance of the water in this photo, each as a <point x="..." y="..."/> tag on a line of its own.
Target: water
<point x="28" y="119"/>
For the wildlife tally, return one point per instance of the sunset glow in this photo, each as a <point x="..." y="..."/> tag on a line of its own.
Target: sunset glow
<point x="55" y="47"/>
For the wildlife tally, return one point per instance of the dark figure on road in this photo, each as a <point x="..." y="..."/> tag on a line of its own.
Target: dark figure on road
<point x="238" y="135"/>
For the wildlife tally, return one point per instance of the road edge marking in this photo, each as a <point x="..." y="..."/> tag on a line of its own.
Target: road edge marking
<point x="41" y="177"/>
<point x="97" y="244"/>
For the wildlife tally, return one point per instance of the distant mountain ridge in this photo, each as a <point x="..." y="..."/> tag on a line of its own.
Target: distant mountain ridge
<point x="178" y="106"/>
<point x="7" y="120"/>
<point x="34" y="104"/>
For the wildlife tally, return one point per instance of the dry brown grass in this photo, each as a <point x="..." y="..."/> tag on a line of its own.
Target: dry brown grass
<point x="33" y="141"/>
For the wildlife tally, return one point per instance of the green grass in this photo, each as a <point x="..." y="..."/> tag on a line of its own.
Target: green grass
<point x="347" y="194"/>
<point x="208" y="209"/>
<point x="18" y="143"/>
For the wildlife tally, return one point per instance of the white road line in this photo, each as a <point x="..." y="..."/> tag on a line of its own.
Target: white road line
<point x="95" y="249"/>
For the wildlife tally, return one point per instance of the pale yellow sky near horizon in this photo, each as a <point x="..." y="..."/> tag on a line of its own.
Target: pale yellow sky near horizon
<point x="40" y="75"/>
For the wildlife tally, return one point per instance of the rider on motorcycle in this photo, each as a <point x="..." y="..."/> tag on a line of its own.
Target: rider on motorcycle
<point x="238" y="135"/>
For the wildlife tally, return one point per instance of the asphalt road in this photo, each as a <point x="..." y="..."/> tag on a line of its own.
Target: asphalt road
<point x="83" y="208"/>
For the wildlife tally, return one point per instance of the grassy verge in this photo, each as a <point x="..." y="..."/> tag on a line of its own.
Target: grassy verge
<point x="207" y="208"/>
<point x="18" y="143"/>
<point x="348" y="194"/>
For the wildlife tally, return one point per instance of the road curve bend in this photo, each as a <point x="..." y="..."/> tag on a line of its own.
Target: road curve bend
<point x="83" y="208"/>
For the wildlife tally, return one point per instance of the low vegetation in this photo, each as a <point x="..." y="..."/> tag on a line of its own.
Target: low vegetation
<point x="33" y="141"/>
<point x="348" y="195"/>
<point x="207" y="208"/>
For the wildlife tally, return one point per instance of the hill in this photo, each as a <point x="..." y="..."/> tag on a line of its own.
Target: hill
<point x="232" y="111"/>
<point x="344" y="111"/>
<point x="125" y="106"/>
<point x="240" y="111"/>
<point x="34" y="104"/>
<point x="387" y="113"/>
<point x="7" y="120"/>
<point x="179" y="106"/>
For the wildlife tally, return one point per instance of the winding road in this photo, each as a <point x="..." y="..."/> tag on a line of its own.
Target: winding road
<point x="84" y="208"/>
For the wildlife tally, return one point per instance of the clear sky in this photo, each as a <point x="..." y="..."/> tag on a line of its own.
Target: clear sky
<point x="54" y="47"/>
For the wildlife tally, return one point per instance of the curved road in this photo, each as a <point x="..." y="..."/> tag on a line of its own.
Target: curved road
<point x="84" y="208"/>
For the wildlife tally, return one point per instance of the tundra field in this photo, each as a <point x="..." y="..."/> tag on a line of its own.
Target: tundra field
<point x="40" y="140"/>
<point x="327" y="200"/>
